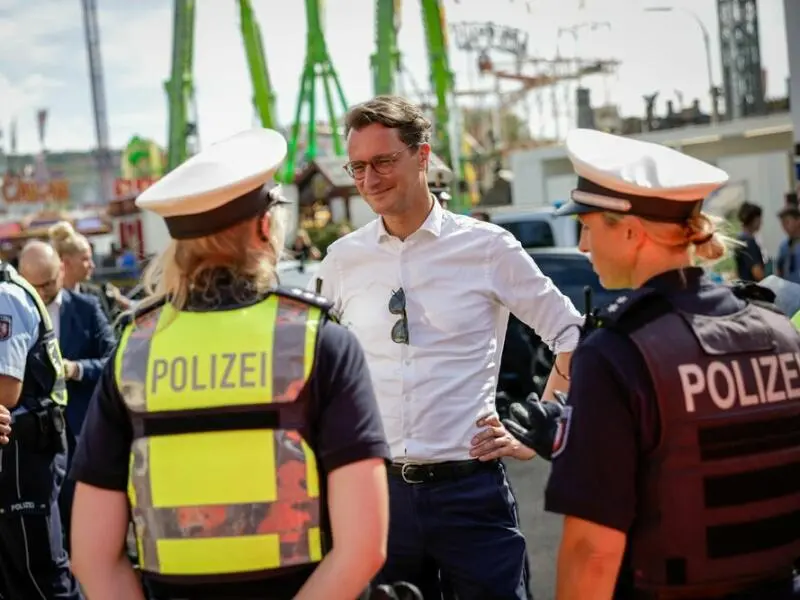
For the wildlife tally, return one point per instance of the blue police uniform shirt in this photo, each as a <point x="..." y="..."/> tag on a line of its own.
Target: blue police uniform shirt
<point x="19" y="329"/>
<point x="614" y="423"/>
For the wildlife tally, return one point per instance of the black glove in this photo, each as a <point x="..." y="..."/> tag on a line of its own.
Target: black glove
<point x="535" y="423"/>
<point x="398" y="591"/>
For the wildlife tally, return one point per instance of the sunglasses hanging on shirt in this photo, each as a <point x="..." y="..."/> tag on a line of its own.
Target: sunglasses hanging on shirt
<point x="397" y="306"/>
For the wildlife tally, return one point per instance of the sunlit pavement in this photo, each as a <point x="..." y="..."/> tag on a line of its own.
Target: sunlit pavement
<point x="542" y="530"/>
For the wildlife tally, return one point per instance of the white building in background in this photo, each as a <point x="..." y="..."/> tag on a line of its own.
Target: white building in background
<point x="757" y="152"/>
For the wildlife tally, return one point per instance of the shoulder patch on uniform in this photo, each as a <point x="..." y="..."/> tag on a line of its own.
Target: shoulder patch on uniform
<point x="305" y="296"/>
<point x="562" y="431"/>
<point x="5" y="327"/>
<point x="632" y="311"/>
<point x="623" y="303"/>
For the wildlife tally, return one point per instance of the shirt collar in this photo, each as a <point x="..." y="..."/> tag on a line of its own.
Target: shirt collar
<point x="688" y="278"/>
<point x="58" y="300"/>
<point x="432" y="223"/>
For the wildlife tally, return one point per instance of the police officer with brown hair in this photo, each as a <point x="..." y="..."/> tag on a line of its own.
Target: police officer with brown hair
<point x="675" y="458"/>
<point x="237" y="421"/>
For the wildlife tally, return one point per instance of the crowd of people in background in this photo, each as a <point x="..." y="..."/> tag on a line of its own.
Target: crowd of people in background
<point x="752" y="264"/>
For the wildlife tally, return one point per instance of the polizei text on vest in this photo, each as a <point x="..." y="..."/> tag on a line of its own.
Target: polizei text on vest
<point x="226" y="370"/>
<point x="742" y="382"/>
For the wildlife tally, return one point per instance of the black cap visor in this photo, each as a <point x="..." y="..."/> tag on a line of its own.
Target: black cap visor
<point x="223" y="217"/>
<point x="590" y="197"/>
<point x="573" y="208"/>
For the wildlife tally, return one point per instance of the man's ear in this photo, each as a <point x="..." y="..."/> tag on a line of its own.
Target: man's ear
<point x="424" y="155"/>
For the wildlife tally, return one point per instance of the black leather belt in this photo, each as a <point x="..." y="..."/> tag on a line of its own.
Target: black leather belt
<point x="413" y="473"/>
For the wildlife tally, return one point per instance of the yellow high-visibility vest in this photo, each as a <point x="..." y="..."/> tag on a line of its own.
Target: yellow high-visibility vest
<point x="221" y="481"/>
<point x="796" y="319"/>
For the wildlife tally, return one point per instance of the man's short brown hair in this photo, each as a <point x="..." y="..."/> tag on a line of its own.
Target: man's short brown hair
<point x="394" y="112"/>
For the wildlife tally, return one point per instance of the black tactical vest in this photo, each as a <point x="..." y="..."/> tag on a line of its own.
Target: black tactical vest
<point x="43" y="383"/>
<point x="719" y="498"/>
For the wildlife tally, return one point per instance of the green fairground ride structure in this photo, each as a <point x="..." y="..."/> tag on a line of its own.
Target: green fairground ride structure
<point x="183" y="139"/>
<point x="386" y="67"/>
<point x="182" y="131"/>
<point x="317" y="65"/>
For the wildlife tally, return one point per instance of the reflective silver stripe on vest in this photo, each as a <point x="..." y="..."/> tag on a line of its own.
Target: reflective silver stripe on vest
<point x="133" y="387"/>
<point x="290" y="516"/>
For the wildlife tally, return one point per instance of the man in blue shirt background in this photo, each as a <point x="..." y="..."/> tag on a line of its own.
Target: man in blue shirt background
<point x="33" y="562"/>
<point x="788" y="261"/>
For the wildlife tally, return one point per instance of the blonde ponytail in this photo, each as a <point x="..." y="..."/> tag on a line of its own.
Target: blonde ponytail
<point x="709" y="244"/>
<point x="66" y="240"/>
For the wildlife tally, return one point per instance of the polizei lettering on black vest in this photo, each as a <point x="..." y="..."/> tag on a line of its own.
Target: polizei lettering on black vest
<point x="226" y="370"/>
<point x="741" y="382"/>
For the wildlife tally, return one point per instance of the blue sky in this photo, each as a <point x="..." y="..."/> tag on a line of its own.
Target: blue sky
<point x="43" y="60"/>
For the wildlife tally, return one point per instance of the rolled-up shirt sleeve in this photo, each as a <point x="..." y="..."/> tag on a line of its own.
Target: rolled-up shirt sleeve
<point x="520" y="286"/>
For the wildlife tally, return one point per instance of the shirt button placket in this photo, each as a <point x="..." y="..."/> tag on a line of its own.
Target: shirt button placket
<point x="405" y="359"/>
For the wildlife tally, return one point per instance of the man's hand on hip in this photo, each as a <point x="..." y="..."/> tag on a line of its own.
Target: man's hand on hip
<point x="5" y="424"/>
<point x="496" y="442"/>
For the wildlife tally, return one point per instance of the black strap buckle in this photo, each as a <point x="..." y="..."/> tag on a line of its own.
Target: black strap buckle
<point x="42" y="421"/>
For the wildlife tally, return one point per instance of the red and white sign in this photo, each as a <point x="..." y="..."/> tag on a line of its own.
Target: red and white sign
<point x="131" y="235"/>
<point x="124" y="188"/>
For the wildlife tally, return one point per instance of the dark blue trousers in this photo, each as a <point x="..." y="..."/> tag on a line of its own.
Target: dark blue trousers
<point x="33" y="562"/>
<point x="465" y="532"/>
<point x="67" y="492"/>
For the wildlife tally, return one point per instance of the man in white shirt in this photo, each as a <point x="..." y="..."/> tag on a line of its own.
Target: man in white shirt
<point x="428" y="294"/>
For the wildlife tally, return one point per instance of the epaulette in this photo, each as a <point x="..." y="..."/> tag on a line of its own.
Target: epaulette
<point x="130" y="316"/>
<point x="632" y="310"/>
<point x="756" y="294"/>
<point x="307" y="297"/>
<point x="747" y="290"/>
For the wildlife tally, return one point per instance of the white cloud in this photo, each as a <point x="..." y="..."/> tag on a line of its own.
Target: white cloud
<point x="28" y="94"/>
<point x="45" y="37"/>
<point x="136" y="46"/>
<point x="34" y="33"/>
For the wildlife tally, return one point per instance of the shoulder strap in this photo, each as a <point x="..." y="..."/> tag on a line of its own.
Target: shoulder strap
<point x="633" y="310"/>
<point x="307" y="297"/>
<point x="128" y="317"/>
<point x="8" y="275"/>
<point x="756" y="294"/>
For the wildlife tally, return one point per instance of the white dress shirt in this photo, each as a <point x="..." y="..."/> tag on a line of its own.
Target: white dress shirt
<point x="54" y="309"/>
<point x="461" y="277"/>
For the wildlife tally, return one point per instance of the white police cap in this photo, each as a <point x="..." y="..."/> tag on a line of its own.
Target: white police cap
<point x="623" y="175"/>
<point x="225" y="184"/>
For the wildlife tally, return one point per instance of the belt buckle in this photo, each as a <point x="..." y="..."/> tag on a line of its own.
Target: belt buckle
<point x="406" y="478"/>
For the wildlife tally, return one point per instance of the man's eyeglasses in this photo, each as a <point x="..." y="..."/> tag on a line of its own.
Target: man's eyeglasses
<point x="397" y="306"/>
<point x="381" y="164"/>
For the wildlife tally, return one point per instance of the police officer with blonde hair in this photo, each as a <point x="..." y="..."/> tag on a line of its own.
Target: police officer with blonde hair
<point x="237" y="421"/>
<point x="675" y="459"/>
